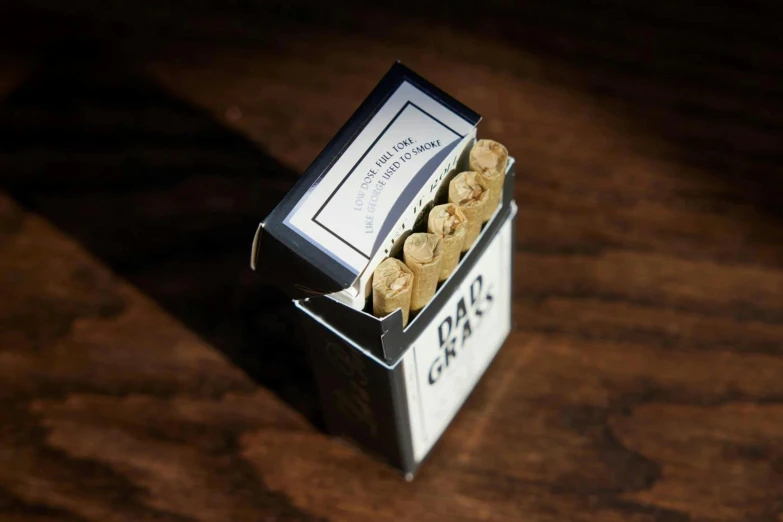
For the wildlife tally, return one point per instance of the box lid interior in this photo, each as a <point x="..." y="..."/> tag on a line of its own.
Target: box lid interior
<point x="323" y="234"/>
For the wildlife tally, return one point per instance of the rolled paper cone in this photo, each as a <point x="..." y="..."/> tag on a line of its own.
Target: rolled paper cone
<point x="469" y="192"/>
<point x="423" y="253"/>
<point x="442" y="195"/>
<point x="450" y="223"/>
<point x="489" y="158"/>
<point x="392" y="288"/>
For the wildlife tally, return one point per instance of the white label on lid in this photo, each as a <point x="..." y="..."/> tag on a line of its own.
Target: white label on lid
<point x="356" y="203"/>
<point x="448" y="358"/>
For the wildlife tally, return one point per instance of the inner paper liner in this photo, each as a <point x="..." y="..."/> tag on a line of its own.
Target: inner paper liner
<point x="356" y="295"/>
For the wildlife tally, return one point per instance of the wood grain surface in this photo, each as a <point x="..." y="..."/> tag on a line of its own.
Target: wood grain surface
<point x="147" y="374"/>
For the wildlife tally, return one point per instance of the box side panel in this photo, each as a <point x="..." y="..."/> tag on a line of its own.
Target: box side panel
<point x="355" y="391"/>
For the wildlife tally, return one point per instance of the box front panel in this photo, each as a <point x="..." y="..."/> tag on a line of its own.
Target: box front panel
<point x="356" y="391"/>
<point x="448" y="358"/>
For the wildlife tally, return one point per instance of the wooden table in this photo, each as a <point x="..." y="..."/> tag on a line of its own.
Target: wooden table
<point x="146" y="374"/>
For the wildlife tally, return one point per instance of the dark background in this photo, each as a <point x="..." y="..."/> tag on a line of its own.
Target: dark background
<point x="147" y="374"/>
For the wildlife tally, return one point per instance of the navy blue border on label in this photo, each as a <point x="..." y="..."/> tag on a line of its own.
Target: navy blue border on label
<point x="325" y="271"/>
<point x="315" y="217"/>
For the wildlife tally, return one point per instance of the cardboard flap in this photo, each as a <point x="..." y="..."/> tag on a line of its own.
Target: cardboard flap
<point x="339" y="217"/>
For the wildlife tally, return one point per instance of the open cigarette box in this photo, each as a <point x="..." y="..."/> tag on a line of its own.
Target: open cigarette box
<point x="391" y="389"/>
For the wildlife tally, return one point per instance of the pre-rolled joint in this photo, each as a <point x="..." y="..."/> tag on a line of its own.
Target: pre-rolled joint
<point x="423" y="254"/>
<point x="450" y="224"/>
<point x="470" y="193"/>
<point x="490" y="159"/>
<point x="392" y="288"/>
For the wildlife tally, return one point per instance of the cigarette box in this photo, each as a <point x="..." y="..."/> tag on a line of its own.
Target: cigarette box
<point x="391" y="389"/>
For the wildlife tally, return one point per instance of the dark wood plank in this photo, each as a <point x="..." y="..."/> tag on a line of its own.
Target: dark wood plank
<point x="147" y="374"/>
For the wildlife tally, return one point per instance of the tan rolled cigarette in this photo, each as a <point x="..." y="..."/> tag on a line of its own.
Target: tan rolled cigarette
<point x="423" y="253"/>
<point x="489" y="158"/>
<point x="450" y="223"/>
<point x="468" y="191"/>
<point x="392" y="288"/>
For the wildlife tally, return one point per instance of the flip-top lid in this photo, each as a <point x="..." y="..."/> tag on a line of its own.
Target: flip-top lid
<point x="325" y="231"/>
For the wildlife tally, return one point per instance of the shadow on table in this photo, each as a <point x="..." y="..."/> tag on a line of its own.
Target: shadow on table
<point x="165" y="196"/>
<point x="708" y="84"/>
